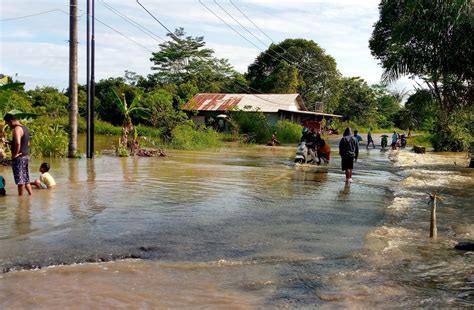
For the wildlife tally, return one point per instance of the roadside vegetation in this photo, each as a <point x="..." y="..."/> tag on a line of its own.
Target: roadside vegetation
<point x="439" y="110"/>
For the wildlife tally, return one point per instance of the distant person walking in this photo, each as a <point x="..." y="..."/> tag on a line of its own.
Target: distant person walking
<point x="349" y="151"/>
<point x="357" y="136"/>
<point x="370" y="139"/>
<point x="394" y="140"/>
<point x="19" y="147"/>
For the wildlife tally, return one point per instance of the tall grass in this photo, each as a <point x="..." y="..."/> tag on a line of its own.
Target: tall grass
<point x="188" y="137"/>
<point x="288" y="132"/>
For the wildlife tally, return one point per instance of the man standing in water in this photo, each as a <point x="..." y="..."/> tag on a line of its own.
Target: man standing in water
<point x="369" y="138"/>
<point x="19" y="147"/>
<point x="349" y="151"/>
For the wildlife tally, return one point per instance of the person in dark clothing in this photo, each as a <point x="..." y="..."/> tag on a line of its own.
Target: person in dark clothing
<point x="306" y="135"/>
<point x="19" y="147"/>
<point x="349" y="151"/>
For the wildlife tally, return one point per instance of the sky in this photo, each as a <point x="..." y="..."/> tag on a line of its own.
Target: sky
<point x="35" y="49"/>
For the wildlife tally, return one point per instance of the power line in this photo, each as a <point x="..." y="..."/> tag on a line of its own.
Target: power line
<point x="123" y="35"/>
<point x="248" y="18"/>
<point x="37" y="14"/>
<point x="310" y="70"/>
<point x="162" y="25"/>
<point x="174" y="37"/>
<point x="142" y="28"/>
<point x="263" y="32"/>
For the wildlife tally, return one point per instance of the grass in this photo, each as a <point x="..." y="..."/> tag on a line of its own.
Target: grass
<point x="420" y="139"/>
<point x="187" y="137"/>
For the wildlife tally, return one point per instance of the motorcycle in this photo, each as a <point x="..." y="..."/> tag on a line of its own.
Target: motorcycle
<point x="403" y="141"/>
<point x="304" y="154"/>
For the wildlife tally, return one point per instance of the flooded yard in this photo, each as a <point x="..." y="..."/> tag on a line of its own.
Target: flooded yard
<point x="240" y="227"/>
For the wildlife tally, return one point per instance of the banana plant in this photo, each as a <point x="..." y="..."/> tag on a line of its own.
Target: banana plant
<point x="127" y="110"/>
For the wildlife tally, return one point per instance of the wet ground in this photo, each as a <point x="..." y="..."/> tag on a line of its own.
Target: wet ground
<point x="234" y="228"/>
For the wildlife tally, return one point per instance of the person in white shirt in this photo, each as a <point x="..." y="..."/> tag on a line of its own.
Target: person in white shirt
<point x="46" y="180"/>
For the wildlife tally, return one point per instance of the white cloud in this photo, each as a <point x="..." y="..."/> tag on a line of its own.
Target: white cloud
<point x="37" y="46"/>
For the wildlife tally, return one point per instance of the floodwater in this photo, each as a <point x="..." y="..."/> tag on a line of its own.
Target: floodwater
<point x="238" y="228"/>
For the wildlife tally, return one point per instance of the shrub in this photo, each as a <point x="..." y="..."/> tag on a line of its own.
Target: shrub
<point x="188" y="137"/>
<point x="252" y="123"/>
<point x="49" y="141"/>
<point x="288" y="132"/>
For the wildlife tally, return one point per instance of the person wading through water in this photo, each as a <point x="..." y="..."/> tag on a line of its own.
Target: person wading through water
<point x="349" y="151"/>
<point x="19" y="147"/>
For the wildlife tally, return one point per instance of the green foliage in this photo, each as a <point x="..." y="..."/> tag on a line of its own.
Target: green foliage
<point x="184" y="60"/>
<point x="312" y="72"/>
<point x="106" y="106"/>
<point x="251" y="123"/>
<point x="420" y="111"/>
<point x="49" y="141"/>
<point x="189" y="137"/>
<point x="434" y="41"/>
<point x="162" y="113"/>
<point x="458" y="135"/>
<point x="288" y="132"/>
<point x="420" y="139"/>
<point x="49" y="101"/>
<point x="357" y="101"/>
<point x="121" y="150"/>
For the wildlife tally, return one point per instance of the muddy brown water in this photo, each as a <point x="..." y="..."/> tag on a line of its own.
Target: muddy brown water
<point x="238" y="228"/>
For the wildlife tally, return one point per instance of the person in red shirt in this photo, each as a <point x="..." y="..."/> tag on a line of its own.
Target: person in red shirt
<point x="324" y="152"/>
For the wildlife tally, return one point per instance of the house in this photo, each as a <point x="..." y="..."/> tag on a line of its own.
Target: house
<point x="276" y="107"/>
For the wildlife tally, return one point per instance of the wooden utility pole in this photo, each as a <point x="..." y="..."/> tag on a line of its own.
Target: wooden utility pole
<point x="90" y="76"/>
<point x="72" y="150"/>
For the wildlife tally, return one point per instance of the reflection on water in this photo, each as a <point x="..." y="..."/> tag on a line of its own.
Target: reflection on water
<point x="236" y="228"/>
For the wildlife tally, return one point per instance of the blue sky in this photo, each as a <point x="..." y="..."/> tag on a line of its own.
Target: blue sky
<point x="36" y="48"/>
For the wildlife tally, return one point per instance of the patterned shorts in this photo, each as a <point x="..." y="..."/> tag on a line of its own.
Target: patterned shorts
<point x="20" y="170"/>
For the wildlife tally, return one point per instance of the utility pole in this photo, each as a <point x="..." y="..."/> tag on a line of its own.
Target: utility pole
<point x="72" y="149"/>
<point x="90" y="77"/>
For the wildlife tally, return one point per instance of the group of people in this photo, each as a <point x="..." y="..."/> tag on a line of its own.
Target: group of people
<point x="19" y="146"/>
<point x="315" y="143"/>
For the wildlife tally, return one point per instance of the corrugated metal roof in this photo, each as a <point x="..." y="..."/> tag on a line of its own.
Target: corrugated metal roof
<point x="264" y="102"/>
<point x="314" y="113"/>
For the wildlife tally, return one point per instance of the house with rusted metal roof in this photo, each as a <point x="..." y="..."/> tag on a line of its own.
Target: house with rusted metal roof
<point x="210" y="106"/>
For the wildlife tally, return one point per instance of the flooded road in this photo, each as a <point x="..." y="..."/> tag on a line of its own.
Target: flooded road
<point x="236" y="228"/>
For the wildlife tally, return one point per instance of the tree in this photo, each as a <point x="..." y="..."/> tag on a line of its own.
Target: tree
<point x="420" y="111"/>
<point x="387" y="105"/>
<point x="49" y="101"/>
<point x="184" y="59"/>
<point x="127" y="111"/>
<point x="434" y="41"/>
<point x="107" y="109"/>
<point x="297" y="65"/>
<point x="357" y="101"/>
<point x="162" y="114"/>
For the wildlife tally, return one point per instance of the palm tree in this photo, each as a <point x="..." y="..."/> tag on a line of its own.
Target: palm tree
<point x="126" y="110"/>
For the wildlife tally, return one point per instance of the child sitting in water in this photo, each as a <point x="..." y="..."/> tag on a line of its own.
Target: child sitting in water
<point x="3" y="192"/>
<point x="46" y="181"/>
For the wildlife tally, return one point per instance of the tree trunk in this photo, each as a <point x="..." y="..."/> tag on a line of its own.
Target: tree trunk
<point x="72" y="150"/>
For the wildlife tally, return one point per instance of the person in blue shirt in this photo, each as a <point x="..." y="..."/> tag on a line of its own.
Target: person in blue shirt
<point x="357" y="136"/>
<point x="394" y="140"/>
<point x="3" y="192"/>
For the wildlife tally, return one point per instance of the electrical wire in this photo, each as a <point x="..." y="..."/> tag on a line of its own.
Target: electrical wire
<point x="179" y="41"/>
<point x="264" y="33"/>
<point x="293" y="62"/>
<point x="142" y="28"/>
<point x="37" y="14"/>
<point x="125" y="36"/>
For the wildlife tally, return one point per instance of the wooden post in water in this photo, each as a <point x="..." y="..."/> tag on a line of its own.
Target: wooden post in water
<point x="433" y="226"/>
